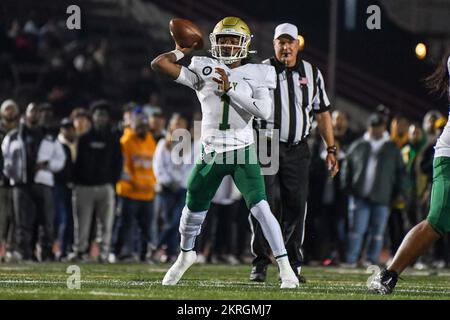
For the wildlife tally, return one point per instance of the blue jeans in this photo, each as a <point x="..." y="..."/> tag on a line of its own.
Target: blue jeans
<point x="365" y="216"/>
<point x="172" y="204"/>
<point x="63" y="223"/>
<point x="133" y="214"/>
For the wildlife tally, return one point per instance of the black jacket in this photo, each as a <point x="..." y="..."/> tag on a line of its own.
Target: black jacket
<point x="99" y="158"/>
<point x="65" y="176"/>
<point x="389" y="175"/>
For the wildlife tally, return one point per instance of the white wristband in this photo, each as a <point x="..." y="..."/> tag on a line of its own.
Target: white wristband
<point x="178" y="54"/>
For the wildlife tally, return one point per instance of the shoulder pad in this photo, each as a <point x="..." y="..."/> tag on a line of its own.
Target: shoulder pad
<point x="264" y="73"/>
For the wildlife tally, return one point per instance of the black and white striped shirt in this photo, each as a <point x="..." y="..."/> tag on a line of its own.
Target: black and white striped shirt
<point x="300" y="92"/>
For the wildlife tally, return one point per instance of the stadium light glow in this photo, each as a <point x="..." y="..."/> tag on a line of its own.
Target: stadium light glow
<point x="421" y="51"/>
<point x="301" y="40"/>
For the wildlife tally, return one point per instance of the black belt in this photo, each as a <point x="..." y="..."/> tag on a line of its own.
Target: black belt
<point x="293" y="144"/>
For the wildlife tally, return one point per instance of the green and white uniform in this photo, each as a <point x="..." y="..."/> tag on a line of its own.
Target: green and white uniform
<point x="227" y="134"/>
<point x="227" y="127"/>
<point x="439" y="215"/>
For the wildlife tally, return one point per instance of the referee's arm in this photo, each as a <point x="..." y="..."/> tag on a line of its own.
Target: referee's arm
<point x="326" y="131"/>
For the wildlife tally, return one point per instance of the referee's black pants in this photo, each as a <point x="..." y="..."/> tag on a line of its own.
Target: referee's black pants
<point x="288" y="204"/>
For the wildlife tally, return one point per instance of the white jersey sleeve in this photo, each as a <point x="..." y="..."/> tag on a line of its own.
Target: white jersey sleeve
<point x="259" y="105"/>
<point x="442" y="148"/>
<point x="262" y="75"/>
<point x="448" y="70"/>
<point x="270" y="79"/>
<point x="261" y="79"/>
<point x="189" y="76"/>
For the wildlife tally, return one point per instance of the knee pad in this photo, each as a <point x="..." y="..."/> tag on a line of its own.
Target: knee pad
<point x="191" y="222"/>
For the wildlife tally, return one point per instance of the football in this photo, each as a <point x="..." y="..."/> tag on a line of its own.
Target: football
<point x="186" y="33"/>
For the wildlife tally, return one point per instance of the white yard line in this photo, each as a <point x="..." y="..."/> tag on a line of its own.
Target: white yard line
<point x="108" y="293"/>
<point x="31" y="281"/>
<point x="440" y="273"/>
<point x="418" y="289"/>
<point x="15" y="268"/>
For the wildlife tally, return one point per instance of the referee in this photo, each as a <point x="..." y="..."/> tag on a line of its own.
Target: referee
<point x="300" y="94"/>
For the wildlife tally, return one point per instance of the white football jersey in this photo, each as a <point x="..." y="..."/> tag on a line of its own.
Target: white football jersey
<point x="225" y="125"/>
<point x="442" y="148"/>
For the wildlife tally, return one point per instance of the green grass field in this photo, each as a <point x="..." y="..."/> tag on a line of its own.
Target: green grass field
<point x="139" y="281"/>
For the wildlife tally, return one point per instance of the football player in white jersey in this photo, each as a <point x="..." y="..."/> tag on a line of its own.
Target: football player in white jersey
<point x="230" y="94"/>
<point x="420" y="238"/>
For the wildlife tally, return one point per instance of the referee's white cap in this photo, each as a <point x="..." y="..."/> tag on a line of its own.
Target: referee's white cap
<point x="286" y="28"/>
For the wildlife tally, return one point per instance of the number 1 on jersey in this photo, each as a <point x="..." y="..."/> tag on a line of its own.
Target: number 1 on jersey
<point x="226" y="108"/>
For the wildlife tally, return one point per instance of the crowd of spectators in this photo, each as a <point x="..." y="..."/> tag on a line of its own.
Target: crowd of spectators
<point x="86" y="187"/>
<point x="42" y="60"/>
<point x="383" y="189"/>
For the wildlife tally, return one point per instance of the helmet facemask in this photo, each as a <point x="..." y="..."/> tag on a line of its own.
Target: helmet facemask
<point x="230" y="51"/>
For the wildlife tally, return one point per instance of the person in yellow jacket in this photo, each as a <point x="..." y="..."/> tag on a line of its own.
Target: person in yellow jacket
<point x="136" y="188"/>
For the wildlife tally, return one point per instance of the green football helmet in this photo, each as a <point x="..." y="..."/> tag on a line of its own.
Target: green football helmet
<point x="230" y="26"/>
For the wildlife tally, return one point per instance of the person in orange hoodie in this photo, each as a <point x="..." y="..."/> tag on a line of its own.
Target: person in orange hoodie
<point x="136" y="187"/>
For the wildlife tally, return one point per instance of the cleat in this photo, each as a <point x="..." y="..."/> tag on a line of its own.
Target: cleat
<point x="301" y="279"/>
<point x="384" y="282"/>
<point x="289" y="281"/>
<point x="184" y="261"/>
<point x="258" y="273"/>
<point x="288" y="277"/>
